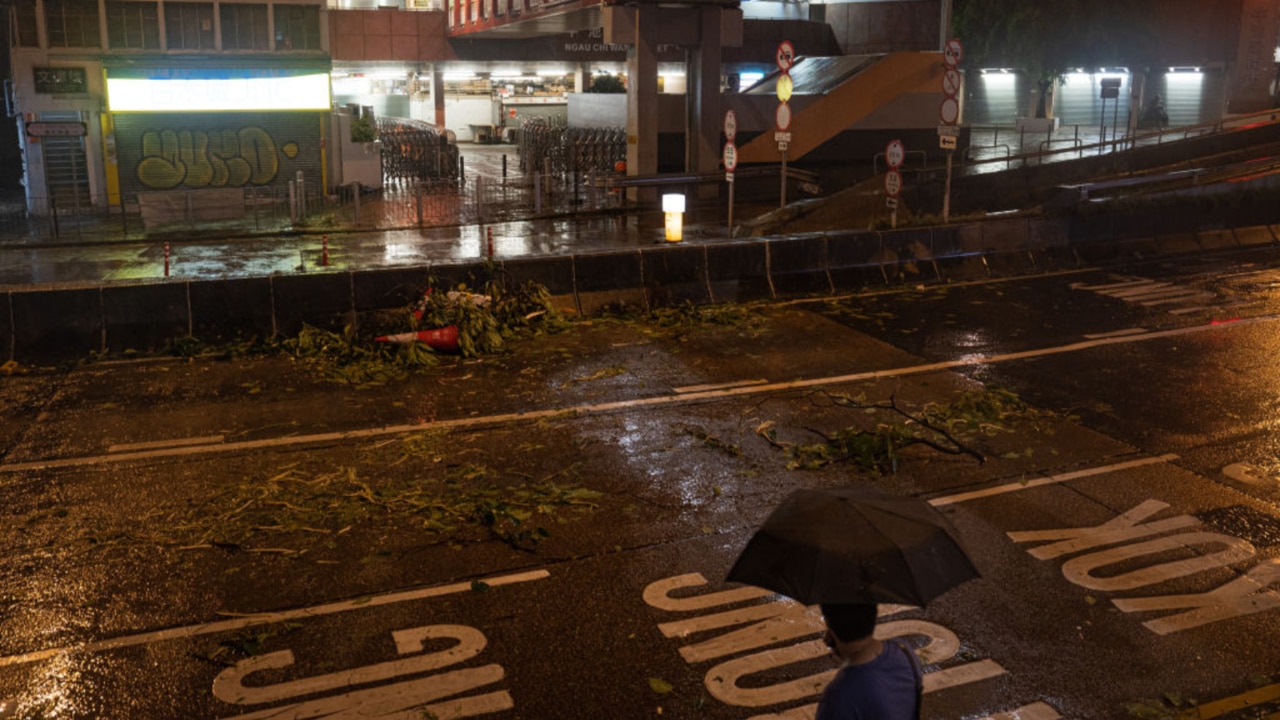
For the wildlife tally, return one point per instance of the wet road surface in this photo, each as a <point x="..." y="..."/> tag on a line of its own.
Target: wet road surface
<point x="242" y="539"/>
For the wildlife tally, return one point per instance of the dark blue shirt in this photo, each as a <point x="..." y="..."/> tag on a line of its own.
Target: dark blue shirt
<point x="883" y="689"/>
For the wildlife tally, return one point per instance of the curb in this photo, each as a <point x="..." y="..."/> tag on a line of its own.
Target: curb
<point x="57" y="324"/>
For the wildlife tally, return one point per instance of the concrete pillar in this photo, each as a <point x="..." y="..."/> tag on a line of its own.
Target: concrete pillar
<point x="581" y="78"/>
<point x="437" y="93"/>
<point x="642" y="99"/>
<point x="702" y="94"/>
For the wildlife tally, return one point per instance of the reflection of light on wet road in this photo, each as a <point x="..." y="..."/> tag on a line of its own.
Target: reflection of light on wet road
<point x="59" y="689"/>
<point x="647" y="446"/>
<point x="398" y="252"/>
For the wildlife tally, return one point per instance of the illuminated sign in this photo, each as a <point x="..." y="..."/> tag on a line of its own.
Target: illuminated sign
<point x="297" y="92"/>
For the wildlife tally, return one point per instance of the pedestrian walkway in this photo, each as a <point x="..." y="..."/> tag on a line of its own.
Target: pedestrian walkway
<point x="401" y="228"/>
<point x="387" y="236"/>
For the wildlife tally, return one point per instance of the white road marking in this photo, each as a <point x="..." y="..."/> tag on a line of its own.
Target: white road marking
<point x="1189" y="310"/>
<point x="1185" y="297"/>
<point x="1116" y="333"/>
<point x="609" y="407"/>
<point x="1111" y="286"/>
<point x="239" y="623"/>
<point x="159" y="444"/>
<point x="1243" y="473"/>
<point x="1153" y="288"/>
<point x="1034" y="711"/>
<point x="719" y="386"/>
<point x="1038" y="482"/>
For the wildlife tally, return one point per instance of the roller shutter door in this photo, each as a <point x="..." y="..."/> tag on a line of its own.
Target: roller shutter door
<point x="167" y="151"/>
<point x="65" y="166"/>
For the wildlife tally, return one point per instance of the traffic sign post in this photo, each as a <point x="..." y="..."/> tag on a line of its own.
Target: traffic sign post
<point x="949" y="112"/>
<point x="730" y="158"/>
<point x="952" y="53"/>
<point x="894" y="154"/>
<point x="892" y="189"/>
<point x="785" y="56"/>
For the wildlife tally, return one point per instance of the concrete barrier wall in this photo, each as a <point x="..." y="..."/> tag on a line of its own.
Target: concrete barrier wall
<point x="52" y="325"/>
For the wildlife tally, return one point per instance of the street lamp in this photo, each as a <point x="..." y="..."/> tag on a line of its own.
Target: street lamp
<point x="673" y="206"/>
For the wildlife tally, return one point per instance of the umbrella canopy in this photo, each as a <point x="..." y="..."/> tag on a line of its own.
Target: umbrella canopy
<point x="854" y="545"/>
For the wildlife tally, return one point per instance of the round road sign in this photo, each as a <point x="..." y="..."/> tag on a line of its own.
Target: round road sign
<point x="786" y="55"/>
<point x="892" y="183"/>
<point x="950" y="111"/>
<point x="784" y="86"/>
<point x="783" y="116"/>
<point x="952" y="53"/>
<point x="951" y="82"/>
<point x="730" y="156"/>
<point x="894" y="154"/>
<point x="730" y="126"/>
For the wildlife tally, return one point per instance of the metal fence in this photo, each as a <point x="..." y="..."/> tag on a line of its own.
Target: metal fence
<point x="557" y="150"/>
<point x="413" y="150"/>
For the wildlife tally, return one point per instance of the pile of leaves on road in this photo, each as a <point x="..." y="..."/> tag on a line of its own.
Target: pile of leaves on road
<point x="429" y="482"/>
<point x="876" y="445"/>
<point x="485" y="321"/>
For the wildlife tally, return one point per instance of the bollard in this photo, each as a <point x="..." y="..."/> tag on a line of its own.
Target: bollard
<point x="489" y="234"/>
<point x="537" y="193"/>
<point x="417" y="186"/>
<point x="166" y="259"/>
<point x="324" y="250"/>
<point x="357" y="200"/>
<point x="504" y="166"/>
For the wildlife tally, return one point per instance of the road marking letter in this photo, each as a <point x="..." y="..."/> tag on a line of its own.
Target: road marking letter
<point x="1243" y="596"/>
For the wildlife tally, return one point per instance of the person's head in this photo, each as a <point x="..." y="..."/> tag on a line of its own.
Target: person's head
<point x="850" y="622"/>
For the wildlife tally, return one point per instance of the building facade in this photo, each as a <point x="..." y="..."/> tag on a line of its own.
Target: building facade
<point x="115" y="99"/>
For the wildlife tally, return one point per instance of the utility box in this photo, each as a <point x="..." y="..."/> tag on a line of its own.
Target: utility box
<point x="357" y="153"/>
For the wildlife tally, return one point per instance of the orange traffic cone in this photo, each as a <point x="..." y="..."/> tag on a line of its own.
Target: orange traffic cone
<point x="445" y="338"/>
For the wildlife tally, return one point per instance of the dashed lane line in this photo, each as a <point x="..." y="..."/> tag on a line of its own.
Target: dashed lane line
<point x="251" y="620"/>
<point x="480" y="421"/>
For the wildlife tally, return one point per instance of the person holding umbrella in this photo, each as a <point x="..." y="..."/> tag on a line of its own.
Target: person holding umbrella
<point x="847" y="549"/>
<point x="878" y="680"/>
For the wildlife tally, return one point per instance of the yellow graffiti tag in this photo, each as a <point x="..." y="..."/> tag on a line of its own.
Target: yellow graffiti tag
<point x="198" y="158"/>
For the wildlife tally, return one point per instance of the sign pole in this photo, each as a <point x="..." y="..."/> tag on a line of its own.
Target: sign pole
<point x="783" y="204"/>
<point x="952" y="83"/>
<point x="730" y="158"/>
<point x="731" y="206"/>
<point x="785" y="57"/>
<point x="946" y="192"/>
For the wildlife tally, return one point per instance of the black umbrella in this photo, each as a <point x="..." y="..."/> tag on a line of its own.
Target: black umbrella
<point x="854" y="545"/>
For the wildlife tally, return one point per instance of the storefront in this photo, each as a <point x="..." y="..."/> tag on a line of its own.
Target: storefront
<point x="197" y="128"/>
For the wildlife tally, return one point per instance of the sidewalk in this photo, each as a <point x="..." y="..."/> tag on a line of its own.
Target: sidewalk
<point x="387" y="237"/>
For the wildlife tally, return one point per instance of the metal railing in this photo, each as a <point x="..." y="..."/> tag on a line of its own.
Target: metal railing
<point x="1021" y="148"/>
